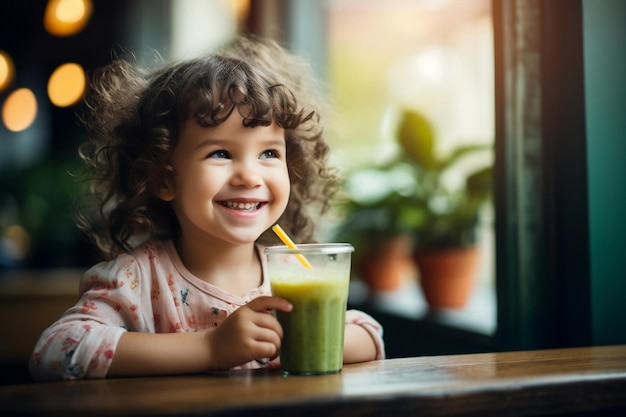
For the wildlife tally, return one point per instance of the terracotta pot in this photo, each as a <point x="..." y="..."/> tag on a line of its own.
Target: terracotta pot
<point x="447" y="276"/>
<point x="386" y="269"/>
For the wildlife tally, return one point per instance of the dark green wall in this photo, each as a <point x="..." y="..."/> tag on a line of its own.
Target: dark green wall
<point x="604" y="31"/>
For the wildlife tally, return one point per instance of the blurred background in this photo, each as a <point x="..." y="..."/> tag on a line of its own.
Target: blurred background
<point x="375" y="59"/>
<point x="460" y="127"/>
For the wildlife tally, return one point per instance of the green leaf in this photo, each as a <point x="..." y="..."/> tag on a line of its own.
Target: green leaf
<point x="415" y="136"/>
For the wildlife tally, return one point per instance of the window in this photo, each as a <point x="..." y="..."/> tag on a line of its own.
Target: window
<point x="433" y="57"/>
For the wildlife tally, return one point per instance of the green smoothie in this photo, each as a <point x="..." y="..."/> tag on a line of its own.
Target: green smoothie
<point x="313" y="332"/>
<point x="314" y="329"/>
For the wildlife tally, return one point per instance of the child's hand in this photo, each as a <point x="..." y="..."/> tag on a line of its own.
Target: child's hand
<point x="250" y="333"/>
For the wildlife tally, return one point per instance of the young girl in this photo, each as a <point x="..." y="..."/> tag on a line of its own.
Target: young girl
<point x="191" y="166"/>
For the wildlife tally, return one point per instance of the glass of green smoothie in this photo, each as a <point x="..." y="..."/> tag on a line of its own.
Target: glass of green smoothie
<point x="315" y="279"/>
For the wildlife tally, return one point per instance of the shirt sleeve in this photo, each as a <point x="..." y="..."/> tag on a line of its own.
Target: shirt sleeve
<point x="82" y="342"/>
<point x="371" y="326"/>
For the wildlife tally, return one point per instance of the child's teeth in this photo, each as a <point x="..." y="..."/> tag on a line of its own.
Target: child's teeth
<point x="240" y="206"/>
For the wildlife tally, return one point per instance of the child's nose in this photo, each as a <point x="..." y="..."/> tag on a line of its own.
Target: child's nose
<point x="246" y="175"/>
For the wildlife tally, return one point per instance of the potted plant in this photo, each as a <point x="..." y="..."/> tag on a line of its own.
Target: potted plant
<point x="425" y="197"/>
<point x="445" y="238"/>
<point x="377" y="221"/>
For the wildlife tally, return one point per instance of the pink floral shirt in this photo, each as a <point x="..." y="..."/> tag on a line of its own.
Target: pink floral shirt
<point x="150" y="291"/>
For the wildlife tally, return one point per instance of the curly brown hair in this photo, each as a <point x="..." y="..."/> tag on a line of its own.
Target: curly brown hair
<point x="134" y="115"/>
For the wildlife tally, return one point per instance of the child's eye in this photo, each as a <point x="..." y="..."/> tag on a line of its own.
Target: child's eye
<point x="269" y="154"/>
<point x="219" y="154"/>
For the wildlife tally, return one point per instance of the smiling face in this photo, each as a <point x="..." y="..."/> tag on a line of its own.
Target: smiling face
<point x="230" y="182"/>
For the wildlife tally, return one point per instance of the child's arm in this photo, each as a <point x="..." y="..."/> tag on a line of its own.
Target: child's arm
<point x="363" y="338"/>
<point x="247" y="334"/>
<point x="359" y="345"/>
<point x="115" y="304"/>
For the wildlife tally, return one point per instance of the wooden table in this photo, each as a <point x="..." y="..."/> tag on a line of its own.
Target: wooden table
<point x="548" y="382"/>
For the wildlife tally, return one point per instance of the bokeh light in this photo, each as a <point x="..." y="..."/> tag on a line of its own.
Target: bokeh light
<point x="19" y="110"/>
<point x="19" y="241"/>
<point x="66" y="17"/>
<point x="7" y="70"/>
<point x="66" y="85"/>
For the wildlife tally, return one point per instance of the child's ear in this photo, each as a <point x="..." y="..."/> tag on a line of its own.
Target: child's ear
<point x="165" y="191"/>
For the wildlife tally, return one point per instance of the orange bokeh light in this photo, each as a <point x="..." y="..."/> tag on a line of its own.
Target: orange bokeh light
<point x="7" y="70"/>
<point x="19" y="110"/>
<point x="67" y="17"/>
<point x="66" y="85"/>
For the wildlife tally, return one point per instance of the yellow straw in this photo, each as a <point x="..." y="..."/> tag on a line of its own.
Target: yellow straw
<point x="289" y="243"/>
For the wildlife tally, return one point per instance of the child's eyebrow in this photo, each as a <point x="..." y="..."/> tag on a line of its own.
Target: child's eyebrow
<point x="210" y="141"/>
<point x="276" y="142"/>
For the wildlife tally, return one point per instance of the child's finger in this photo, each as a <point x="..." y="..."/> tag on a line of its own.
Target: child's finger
<point x="265" y="303"/>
